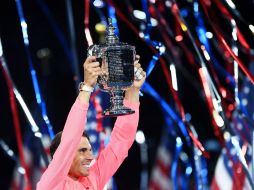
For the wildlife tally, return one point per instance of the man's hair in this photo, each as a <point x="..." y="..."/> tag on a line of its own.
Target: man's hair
<point x="56" y="141"/>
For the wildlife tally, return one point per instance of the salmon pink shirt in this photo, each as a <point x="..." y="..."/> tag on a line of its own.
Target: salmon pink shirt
<point x="123" y="134"/>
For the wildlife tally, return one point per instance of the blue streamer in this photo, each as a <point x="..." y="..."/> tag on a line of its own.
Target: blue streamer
<point x="201" y="31"/>
<point x="149" y="90"/>
<point x="178" y="149"/>
<point x="201" y="171"/>
<point x="169" y="123"/>
<point x="187" y="174"/>
<point x="204" y="172"/>
<point x="152" y="63"/>
<point x="148" y="19"/>
<point x="38" y="96"/>
<point x="158" y="45"/>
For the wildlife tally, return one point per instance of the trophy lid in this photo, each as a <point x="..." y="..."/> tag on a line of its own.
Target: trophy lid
<point x="111" y="37"/>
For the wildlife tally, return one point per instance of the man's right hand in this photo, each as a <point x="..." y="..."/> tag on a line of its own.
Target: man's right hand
<point x="91" y="71"/>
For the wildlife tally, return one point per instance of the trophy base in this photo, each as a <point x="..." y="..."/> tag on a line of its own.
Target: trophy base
<point x="117" y="112"/>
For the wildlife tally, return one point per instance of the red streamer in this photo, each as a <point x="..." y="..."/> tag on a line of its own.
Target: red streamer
<point x="218" y="33"/>
<point x="16" y="123"/>
<point x="87" y="11"/>
<point x="86" y="22"/>
<point x="210" y="104"/>
<point x="239" y="34"/>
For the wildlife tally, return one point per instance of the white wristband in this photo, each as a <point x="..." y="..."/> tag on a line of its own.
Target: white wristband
<point x="85" y="88"/>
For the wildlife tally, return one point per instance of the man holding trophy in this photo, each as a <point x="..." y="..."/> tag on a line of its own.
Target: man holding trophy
<point x="73" y="165"/>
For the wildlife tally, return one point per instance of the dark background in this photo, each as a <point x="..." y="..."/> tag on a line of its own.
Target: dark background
<point x="58" y="87"/>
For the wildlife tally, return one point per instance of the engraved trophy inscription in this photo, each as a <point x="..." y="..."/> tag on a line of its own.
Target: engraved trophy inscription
<point x="117" y="64"/>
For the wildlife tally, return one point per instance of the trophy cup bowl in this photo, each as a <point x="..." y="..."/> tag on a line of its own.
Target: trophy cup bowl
<point x="117" y="65"/>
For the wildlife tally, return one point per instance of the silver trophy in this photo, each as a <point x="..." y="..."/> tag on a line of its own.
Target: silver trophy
<point x="117" y="64"/>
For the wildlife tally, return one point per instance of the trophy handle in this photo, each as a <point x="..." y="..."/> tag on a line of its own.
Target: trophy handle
<point x="91" y="51"/>
<point x="94" y="50"/>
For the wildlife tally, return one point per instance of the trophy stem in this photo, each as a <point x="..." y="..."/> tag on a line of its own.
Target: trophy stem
<point x="116" y="99"/>
<point x="116" y="107"/>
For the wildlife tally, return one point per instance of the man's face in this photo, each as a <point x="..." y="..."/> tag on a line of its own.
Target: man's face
<point x="82" y="160"/>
